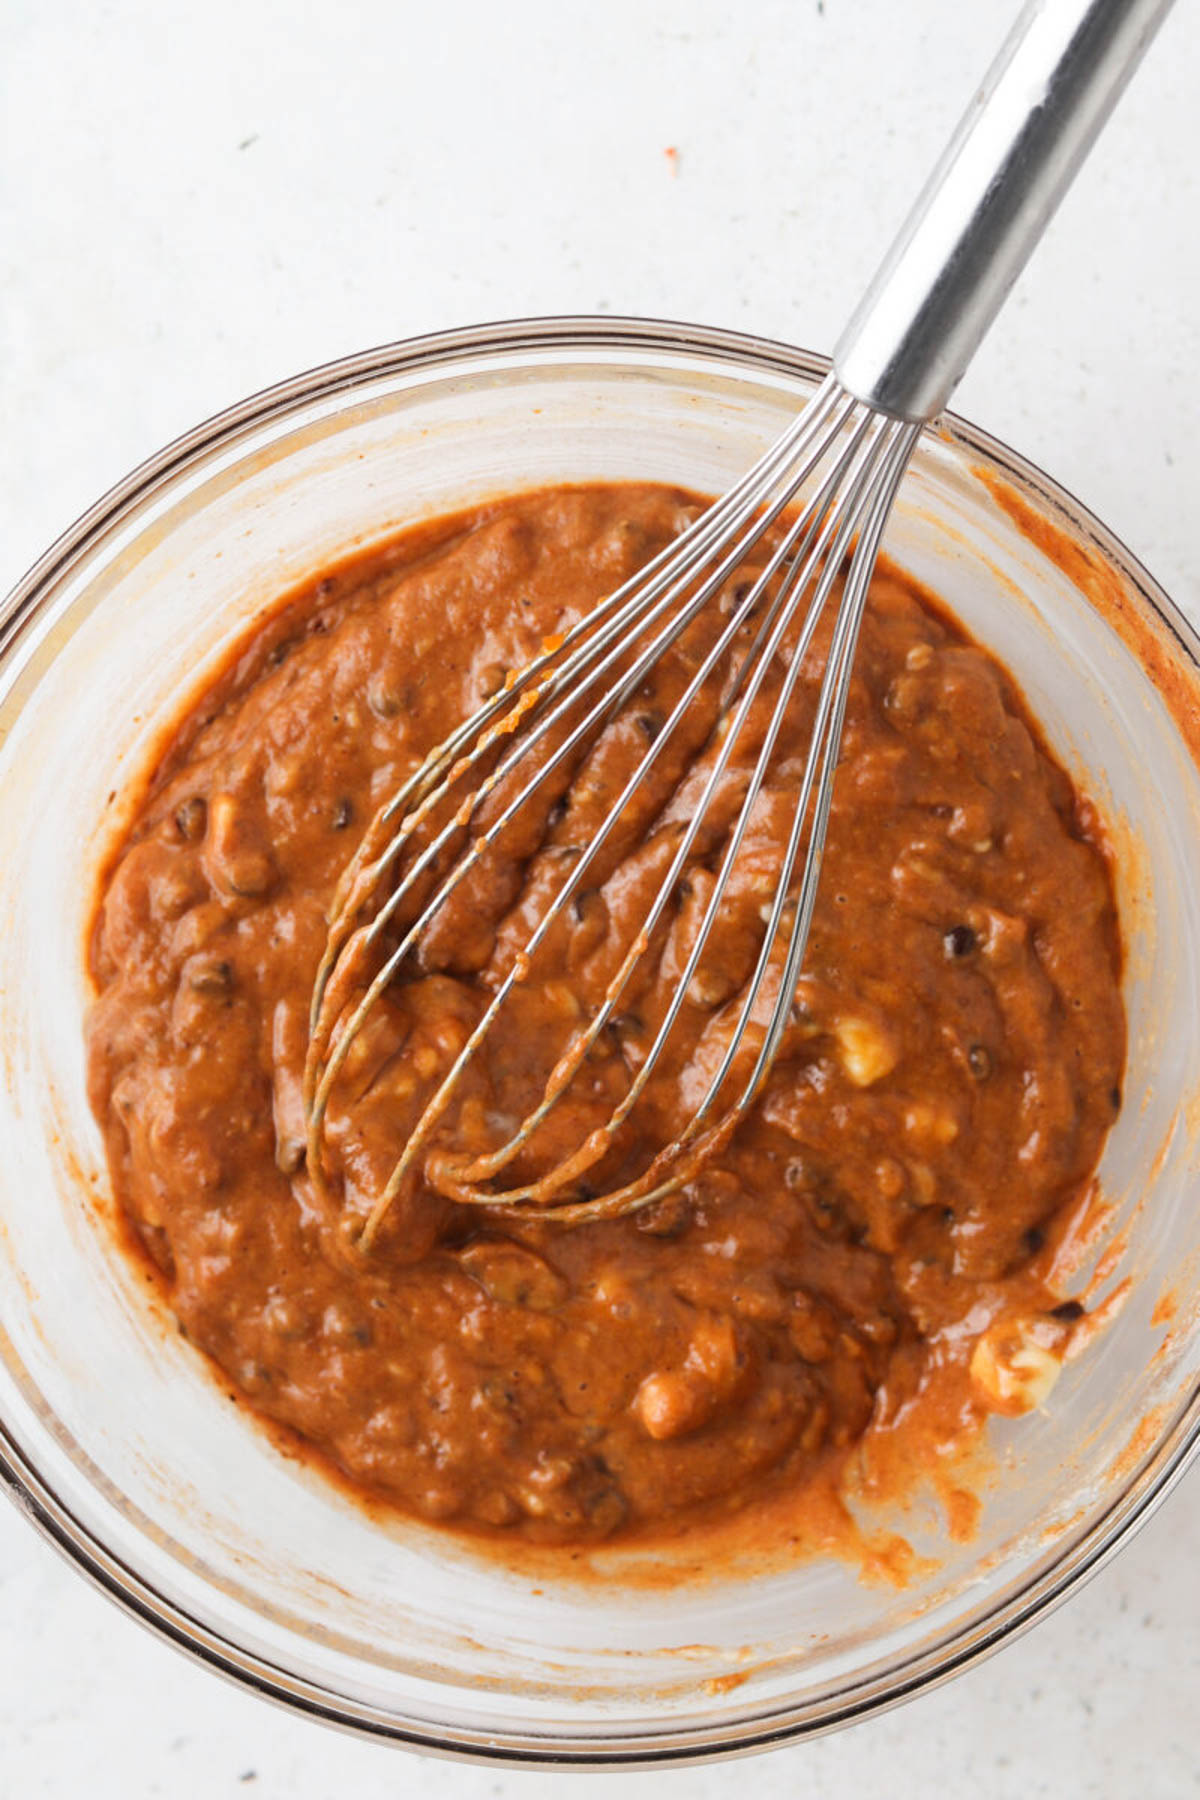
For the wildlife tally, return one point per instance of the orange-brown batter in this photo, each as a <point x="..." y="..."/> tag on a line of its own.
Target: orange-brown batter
<point x="948" y="1078"/>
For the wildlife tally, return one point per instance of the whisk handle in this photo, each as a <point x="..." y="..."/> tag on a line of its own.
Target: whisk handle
<point x="988" y="201"/>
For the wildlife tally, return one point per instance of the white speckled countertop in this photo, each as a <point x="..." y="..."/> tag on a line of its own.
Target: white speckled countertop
<point x="198" y="200"/>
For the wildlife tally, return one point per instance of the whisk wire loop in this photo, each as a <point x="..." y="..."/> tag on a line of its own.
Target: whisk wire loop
<point x="846" y="460"/>
<point x="802" y="531"/>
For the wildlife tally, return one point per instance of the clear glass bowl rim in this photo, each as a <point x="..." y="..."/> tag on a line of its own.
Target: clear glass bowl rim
<point x="1178" y="1442"/>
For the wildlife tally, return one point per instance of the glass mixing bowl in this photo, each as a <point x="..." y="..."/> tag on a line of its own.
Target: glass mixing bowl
<point x="116" y="1438"/>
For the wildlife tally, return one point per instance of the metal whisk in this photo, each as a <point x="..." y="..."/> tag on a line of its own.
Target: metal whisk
<point x="812" y="510"/>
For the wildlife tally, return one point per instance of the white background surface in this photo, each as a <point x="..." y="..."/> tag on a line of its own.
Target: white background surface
<point x="196" y="200"/>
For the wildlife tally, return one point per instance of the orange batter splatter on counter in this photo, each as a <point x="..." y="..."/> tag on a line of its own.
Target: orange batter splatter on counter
<point x="868" y="1248"/>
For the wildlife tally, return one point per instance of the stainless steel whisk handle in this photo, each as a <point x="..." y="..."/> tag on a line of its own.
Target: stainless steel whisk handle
<point x="988" y="201"/>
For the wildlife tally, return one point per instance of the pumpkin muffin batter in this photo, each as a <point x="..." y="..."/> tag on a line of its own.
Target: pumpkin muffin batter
<point x="949" y="1075"/>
